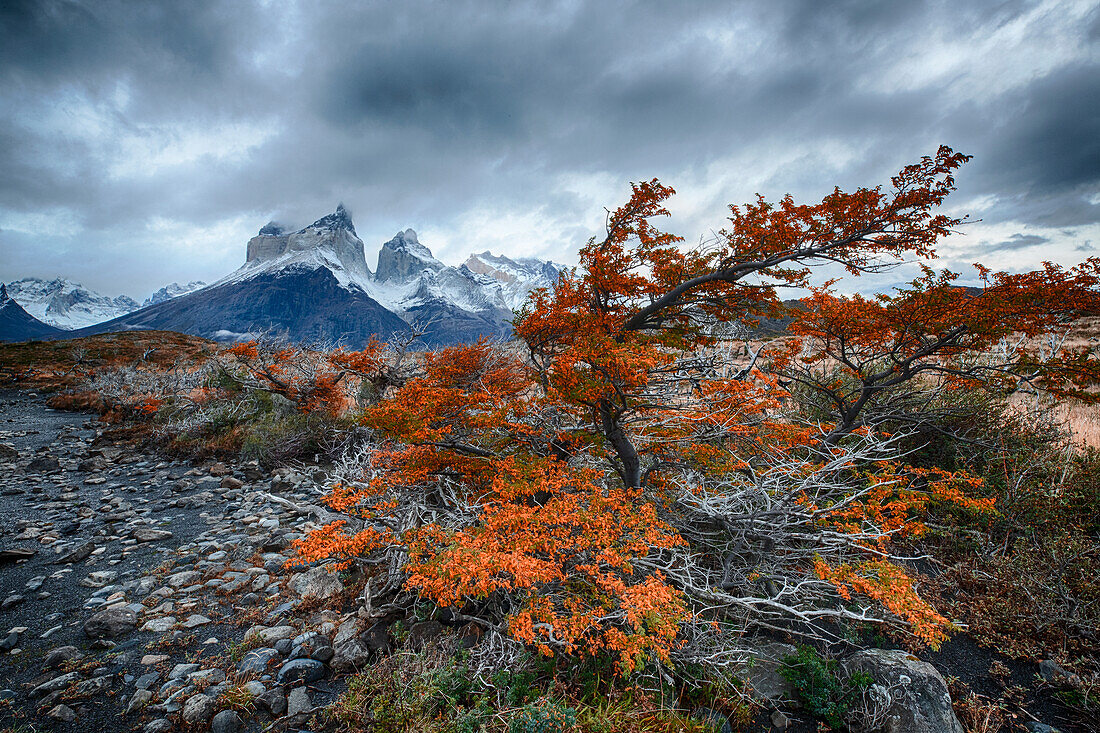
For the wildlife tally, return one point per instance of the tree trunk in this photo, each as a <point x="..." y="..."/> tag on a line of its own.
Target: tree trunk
<point x="630" y="465"/>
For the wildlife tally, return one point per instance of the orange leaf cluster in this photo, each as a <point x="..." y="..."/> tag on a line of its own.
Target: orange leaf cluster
<point x="324" y="382"/>
<point x="890" y="585"/>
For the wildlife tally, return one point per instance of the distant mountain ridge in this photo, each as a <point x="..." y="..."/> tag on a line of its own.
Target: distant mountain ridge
<point x="16" y="324"/>
<point x="172" y="290"/>
<point x="68" y="305"/>
<point x="65" y="304"/>
<point x="314" y="285"/>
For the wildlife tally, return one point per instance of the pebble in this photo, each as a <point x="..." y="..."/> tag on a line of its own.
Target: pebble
<point x="138" y="700"/>
<point x="147" y="680"/>
<point x="274" y="700"/>
<point x="182" y="670"/>
<point x="194" y="621"/>
<point x="159" y="625"/>
<point x="110" y="623"/>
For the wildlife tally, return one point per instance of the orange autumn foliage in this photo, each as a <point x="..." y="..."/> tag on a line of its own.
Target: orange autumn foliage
<point x="579" y="537"/>
<point x="859" y="352"/>
<point x="315" y="381"/>
<point x="889" y="584"/>
<point x="549" y="479"/>
<point x="545" y="533"/>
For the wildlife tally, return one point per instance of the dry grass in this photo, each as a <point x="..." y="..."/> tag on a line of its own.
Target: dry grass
<point x="55" y="365"/>
<point x="1083" y="421"/>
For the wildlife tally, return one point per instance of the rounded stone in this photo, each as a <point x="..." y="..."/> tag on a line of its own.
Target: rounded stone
<point x="198" y="709"/>
<point x="257" y="660"/>
<point x="227" y="721"/>
<point x="301" y="670"/>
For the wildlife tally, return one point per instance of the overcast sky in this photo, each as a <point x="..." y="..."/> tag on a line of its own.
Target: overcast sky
<point x="145" y="142"/>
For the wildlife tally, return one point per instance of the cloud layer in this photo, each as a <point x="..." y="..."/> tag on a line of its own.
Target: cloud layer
<point x="145" y="142"/>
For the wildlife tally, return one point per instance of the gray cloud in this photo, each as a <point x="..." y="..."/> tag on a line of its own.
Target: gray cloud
<point x="143" y="142"/>
<point x="1015" y="242"/>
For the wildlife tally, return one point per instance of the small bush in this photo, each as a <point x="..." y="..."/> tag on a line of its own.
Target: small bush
<point x="517" y="685"/>
<point x="543" y="717"/>
<point x="820" y="687"/>
<point x="405" y="692"/>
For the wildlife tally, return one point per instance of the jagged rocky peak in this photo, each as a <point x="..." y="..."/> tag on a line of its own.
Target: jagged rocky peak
<point x="340" y="219"/>
<point x="66" y="304"/>
<point x="331" y="240"/>
<point x="173" y="290"/>
<point x="404" y="258"/>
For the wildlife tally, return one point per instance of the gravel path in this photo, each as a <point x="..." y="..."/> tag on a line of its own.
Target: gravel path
<point x="117" y="567"/>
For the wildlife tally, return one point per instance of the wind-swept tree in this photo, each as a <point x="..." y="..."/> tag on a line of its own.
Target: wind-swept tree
<point x="639" y="479"/>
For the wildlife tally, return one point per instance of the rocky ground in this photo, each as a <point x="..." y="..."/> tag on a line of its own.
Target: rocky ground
<point x="149" y="594"/>
<point x="138" y="593"/>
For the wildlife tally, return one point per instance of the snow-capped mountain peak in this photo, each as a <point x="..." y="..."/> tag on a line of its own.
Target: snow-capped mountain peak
<point x="404" y="257"/>
<point x="517" y="277"/>
<point x="173" y="290"/>
<point x="314" y="284"/>
<point x="18" y="325"/>
<point x="66" y="304"/>
<point x="330" y="243"/>
<point x="340" y="219"/>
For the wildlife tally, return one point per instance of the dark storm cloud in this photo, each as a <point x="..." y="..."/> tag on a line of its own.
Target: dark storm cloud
<point x="1048" y="150"/>
<point x="213" y="116"/>
<point x="1015" y="242"/>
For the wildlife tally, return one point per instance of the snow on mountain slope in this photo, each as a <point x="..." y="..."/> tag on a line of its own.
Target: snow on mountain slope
<point x="329" y="243"/>
<point x="66" y="304"/>
<point x="173" y="290"/>
<point x="516" y="277"/>
<point x="314" y="284"/>
<point x="18" y="325"/>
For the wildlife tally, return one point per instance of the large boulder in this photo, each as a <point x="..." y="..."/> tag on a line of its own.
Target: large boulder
<point x="911" y="695"/>
<point x="316" y="583"/>
<point x="111" y="623"/>
<point x="350" y="656"/>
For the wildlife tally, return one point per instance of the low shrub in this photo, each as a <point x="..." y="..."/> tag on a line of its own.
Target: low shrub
<point x="407" y="691"/>
<point x="543" y="717"/>
<point x="827" y="694"/>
